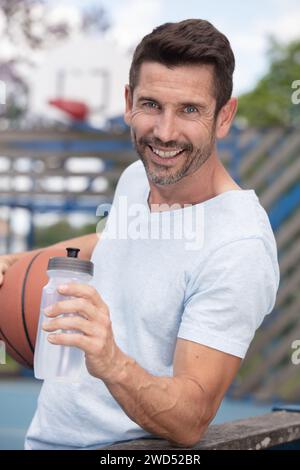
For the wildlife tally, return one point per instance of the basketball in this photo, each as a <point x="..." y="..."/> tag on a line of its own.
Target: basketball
<point x="20" y="297"/>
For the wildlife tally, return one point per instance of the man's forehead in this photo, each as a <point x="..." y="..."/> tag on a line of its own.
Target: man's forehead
<point x="190" y="80"/>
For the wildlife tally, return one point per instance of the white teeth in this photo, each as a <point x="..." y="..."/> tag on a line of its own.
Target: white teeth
<point x="162" y="154"/>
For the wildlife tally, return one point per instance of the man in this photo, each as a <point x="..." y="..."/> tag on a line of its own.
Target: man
<point x="166" y="323"/>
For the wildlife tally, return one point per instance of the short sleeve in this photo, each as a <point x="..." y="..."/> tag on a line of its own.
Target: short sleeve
<point x="228" y="296"/>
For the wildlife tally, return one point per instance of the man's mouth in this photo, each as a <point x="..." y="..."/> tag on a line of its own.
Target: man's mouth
<point x="165" y="155"/>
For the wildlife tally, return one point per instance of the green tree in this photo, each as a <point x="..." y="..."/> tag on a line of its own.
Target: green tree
<point x="269" y="103"/>
<point x="62" y="230"/>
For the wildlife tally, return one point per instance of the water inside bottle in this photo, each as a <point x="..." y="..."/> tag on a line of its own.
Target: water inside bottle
<point x="65" y="362"/>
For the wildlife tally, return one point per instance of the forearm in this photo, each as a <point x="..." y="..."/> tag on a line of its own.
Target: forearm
<point x="171" y="407"/>
<point x="86" y="243"/>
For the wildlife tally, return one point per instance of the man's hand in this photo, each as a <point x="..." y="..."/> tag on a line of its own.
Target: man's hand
<point x="3" y="268"/>
<point x="103" y="357"/>
<point x="5" y="262"/>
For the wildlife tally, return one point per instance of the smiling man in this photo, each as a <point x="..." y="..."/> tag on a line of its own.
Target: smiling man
<point x="175" y="120"/>
<point x="165" y="327"/>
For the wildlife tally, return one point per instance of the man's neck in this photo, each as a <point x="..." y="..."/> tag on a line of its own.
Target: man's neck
<point x="210" y="180"/>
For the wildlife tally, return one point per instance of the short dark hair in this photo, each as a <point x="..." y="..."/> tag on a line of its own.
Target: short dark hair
<point x="191" y="41"/>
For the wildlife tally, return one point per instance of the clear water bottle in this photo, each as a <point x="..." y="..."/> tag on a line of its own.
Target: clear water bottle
<point x="53" y="361"/>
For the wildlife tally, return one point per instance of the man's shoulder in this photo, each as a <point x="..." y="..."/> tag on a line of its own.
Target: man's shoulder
<point x="238" y="215"/>
<point x="237" y="229"/>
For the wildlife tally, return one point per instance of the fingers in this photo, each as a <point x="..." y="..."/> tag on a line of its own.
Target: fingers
<point x="3" y="269"/>
<point x="83" y="291"/>
<point x="79" y="341"/>
<point x="79" y="306"/>
<point x="70" y="323"/>
<point x="2" y="276"/>
<point x="91" y="346"/>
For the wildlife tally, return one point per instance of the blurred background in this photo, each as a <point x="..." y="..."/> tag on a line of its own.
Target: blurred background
<point x="63" y="145"/>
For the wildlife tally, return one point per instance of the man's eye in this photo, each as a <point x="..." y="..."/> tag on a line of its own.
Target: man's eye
<point x="190" y="109"/>
<point x="150" y="104"/>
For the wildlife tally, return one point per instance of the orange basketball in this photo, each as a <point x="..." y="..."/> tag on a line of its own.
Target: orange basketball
<point x="20" y="298"/>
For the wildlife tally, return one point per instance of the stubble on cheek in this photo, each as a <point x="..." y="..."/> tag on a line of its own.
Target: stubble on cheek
<point x="193" y="159"/>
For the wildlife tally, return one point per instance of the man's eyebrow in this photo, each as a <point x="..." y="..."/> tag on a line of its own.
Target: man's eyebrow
<point x="186" y="103"/>
<point x="194" y="103"/>
<point x="146" y="98"/>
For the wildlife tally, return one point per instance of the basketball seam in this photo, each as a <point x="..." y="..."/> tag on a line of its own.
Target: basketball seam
<point x="12" y="347"/>
<point x="23" y="302"/>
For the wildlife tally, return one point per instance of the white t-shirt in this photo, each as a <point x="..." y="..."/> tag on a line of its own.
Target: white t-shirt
<point x="207" y="273"/>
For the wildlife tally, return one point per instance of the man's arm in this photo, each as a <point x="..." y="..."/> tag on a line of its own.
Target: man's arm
<point x="86" y="243"/>
<point x="177" y="408"/>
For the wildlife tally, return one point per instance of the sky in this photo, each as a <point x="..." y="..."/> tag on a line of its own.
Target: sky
<point x="246" y="24"/>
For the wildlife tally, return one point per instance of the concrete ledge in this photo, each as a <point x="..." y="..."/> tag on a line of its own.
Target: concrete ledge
<point x="260" y="432"/>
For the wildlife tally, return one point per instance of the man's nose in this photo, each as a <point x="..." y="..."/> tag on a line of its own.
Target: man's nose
<point x="165" y="128"/>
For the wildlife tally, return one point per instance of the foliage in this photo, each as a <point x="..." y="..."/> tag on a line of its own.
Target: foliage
<point x="269" y="103"/>
<point x="60" y="231"/>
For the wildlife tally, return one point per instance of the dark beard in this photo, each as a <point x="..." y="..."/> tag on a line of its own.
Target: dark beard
<point x="194" y="159"/>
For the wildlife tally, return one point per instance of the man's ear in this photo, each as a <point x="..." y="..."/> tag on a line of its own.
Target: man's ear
<point x="128" y="105"/>
<point x="225" y="118"/>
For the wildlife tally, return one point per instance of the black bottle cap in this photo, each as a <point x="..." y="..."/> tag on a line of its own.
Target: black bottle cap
<point x="72" y="252"/>
<point x="71" y="262"/>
